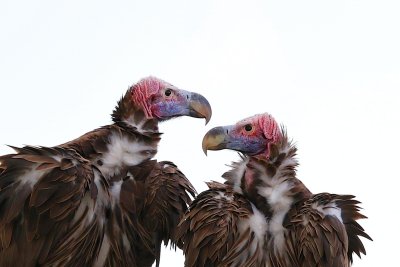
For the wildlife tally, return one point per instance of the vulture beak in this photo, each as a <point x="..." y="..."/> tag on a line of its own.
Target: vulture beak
<point x="215" y="139"/>
<point x="199" y="107"/>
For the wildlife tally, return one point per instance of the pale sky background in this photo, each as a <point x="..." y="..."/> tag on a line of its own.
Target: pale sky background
<point x="328" y="70"/>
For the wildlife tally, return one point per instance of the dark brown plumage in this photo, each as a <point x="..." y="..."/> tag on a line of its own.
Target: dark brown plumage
<point x="263" y="215"/>
<point x="216" y="231"/>
<point x="98" y="200"/>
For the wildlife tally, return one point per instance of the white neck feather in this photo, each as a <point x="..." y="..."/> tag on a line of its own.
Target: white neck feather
<point x="275" y="187"/>
<point x="122" y="152"/>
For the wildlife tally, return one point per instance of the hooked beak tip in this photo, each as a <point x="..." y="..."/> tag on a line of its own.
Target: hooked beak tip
<point x="205" y="144"/>
<point x="207" y="119"/>
<point x="205" y="151"/>
<point x="199" y="107"/>
<point x="214" y="139"/>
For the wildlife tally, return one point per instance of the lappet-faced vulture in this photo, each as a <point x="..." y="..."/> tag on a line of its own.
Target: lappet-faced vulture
<point x="99" y="200"/>
<point x="263" y="215"/>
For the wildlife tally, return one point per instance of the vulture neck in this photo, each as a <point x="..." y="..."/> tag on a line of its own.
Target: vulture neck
<point x="131" y="140"/>
<point x="270" y="184"/>
<point x="128" y="114"/>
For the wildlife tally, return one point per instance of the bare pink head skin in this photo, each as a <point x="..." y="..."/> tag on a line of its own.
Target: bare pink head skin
<point x="145" y="90"/>
<point x="161" y="100"/>
<point x="270" y="129"/>
<point x="253" y="136"/>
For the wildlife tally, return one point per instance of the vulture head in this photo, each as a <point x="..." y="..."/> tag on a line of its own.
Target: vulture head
<point x="154" y="99"/>
<point x="253" y="136"/>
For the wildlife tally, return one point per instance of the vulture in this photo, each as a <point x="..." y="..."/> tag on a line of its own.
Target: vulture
<point x="99" y="200"/>
<point x="263" y="215"/>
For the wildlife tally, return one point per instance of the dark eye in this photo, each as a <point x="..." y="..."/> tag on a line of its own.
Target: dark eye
<point x="248" y="127"/>
<point x="168" y="92"/>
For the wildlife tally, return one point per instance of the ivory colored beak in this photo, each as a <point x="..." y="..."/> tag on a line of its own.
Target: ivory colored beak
<point x="199" y="107"/>
<point x="215" y="139"/>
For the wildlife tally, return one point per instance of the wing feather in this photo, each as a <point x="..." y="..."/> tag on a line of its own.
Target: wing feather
<point x="168" y="195"/>
<point x="326" y="232"/>
<point x="40" y="190"/>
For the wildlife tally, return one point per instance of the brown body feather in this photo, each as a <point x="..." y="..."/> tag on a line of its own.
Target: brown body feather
<point x="49" y="223"/>
<point x="212" y="234"/>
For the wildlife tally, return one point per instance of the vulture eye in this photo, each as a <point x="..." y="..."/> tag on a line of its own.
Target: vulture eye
<point x="168" y="92"/>
<point x="248" y="127"/>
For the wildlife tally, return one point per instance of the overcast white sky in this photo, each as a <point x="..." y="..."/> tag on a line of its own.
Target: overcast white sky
<point x="328" y="70"/>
